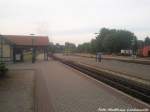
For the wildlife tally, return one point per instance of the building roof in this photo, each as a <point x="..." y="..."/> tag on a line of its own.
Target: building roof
<point x="28" y="40"/>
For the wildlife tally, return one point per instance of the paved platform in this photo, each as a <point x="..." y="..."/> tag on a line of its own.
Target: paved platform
<point x="142" y="60"/>
<point x="16" y="91"/>
<point x="135" y="70"/>
<point x="60" y="88"/>
<point x="72" y="91"/>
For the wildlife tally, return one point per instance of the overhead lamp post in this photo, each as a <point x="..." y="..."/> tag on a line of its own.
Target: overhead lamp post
<point x="33" y="48"/>
<point x="1" y="45"/>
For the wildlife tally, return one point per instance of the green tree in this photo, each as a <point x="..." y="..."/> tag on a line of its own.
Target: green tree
<point x="93" y="46"/>
<point x="84" y="48"/>
<point x="101" y="37"/>
<point x="56" y="48"/>
<point x="140" y="44"/>
<point x="147" y="41"/>
<point x="110" y="41"/>
<point x="114" y="40"/>
<point x="70" y="47"/>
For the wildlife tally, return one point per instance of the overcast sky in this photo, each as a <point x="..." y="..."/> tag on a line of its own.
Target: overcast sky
<point x="73" y="20"/>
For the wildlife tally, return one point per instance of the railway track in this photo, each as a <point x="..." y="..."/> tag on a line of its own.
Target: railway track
<point x="133" y="88"/>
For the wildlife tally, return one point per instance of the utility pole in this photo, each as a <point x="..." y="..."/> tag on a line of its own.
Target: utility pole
<point x="33" y="48"/>
<point x="133" y="43"/>
<point x="1" y="51"/>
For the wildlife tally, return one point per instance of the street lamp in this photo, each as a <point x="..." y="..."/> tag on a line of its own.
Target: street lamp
<point x="33" y="48"/>
<point x="1" y="47"/>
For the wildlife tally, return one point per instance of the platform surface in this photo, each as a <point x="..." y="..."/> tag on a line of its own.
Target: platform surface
<point x="72" y="91"/>
<point x="60" y="88"/>
<point x="132" y="69"/>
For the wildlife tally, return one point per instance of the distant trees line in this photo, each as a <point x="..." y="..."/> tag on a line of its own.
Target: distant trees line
<point x="57" y="48"/>
<point x="107" y="40"/>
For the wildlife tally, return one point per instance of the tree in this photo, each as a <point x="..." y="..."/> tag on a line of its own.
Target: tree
<point x="140" y="44"/>
<point x="114" y="40"/>
<point x="147" y="41"/>
<point x="56" y="48"/>
<point x="93" y="46"/>
<point x="100" y="38"/>
<point x="110" y="41"/>
<point x="70" y="47"/>
<point x="84" y="48"/>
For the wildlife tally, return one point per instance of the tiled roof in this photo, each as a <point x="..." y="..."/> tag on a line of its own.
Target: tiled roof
<point x="27" y="40"/>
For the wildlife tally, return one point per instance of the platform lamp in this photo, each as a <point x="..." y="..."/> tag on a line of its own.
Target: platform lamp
<point x="33" y="48"/>
<point x="1" y="47"/>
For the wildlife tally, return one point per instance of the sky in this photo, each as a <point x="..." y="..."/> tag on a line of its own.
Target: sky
<point x="73" y="20"/>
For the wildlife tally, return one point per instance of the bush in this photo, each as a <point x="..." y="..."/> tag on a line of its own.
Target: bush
<point x="3" y="68"/>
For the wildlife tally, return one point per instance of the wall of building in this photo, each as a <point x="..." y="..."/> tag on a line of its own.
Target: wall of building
<point x="140" y="52"/>
<point x="146" y="51"/>
<point x="6" y="50"/>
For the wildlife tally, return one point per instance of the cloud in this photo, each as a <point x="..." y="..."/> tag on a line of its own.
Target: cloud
<point x="65" y="18"/>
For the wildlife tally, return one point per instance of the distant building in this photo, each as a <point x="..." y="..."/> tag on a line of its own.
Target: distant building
<point x="126" y="52"/>
<point x="13" y="46"/>
<point x="145" y="51"/>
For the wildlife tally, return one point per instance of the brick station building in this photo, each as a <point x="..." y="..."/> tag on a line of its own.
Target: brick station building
<point x="12" y="47"/>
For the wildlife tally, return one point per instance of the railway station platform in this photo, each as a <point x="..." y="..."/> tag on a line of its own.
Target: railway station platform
<point x="60" y="88"/>
<point x="72" y="91"/>
<point x="129" y="59"/>
<point x="131" y="70"/>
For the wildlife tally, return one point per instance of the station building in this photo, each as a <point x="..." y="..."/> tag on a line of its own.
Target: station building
<point x="12" y="47"/>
